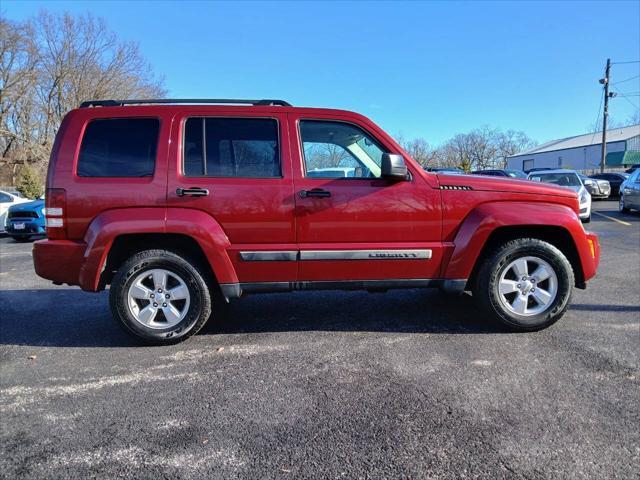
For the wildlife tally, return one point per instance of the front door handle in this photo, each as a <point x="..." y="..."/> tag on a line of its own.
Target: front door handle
<point x="315" y="193"/>
<point x="192" y="192"/>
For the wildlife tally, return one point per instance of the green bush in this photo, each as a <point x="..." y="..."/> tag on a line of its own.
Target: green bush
<point x="30" y="185"/>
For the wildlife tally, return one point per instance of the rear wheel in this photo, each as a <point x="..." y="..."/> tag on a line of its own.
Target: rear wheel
<point x="526" y="284"/>
<point x="160" y="297"/>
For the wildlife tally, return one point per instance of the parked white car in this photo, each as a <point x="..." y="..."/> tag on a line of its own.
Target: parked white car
<point x="569" y="179"/>
<point x="6" y="200"/>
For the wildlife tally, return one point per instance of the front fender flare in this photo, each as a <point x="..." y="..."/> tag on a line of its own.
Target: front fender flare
<point x="486" y="218"/>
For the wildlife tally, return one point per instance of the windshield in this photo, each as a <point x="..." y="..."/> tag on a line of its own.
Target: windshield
<point x="516" y="174"/>
<point x="568" y="179"/>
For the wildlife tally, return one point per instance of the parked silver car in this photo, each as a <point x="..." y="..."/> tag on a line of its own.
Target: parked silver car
<point x="597" y="188"/>
<point x="630" y="192"/>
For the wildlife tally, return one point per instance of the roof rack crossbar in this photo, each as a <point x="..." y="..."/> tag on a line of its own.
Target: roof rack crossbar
<point x="119" y="103"/>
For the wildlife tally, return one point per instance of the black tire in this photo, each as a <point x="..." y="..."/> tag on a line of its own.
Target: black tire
<point x="22" y="239"/>
<point x="586" y="220"/>
<point x="198" y="311"/>
<point x="485" y="288"/>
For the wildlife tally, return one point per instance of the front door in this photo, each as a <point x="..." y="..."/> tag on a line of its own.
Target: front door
<point x="352" y="224"/>
<point x="243" y="163"/>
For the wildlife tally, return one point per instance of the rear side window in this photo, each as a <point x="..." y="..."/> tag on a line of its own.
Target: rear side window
<point x="231" y="147"/>
<point x="121" y="147"/>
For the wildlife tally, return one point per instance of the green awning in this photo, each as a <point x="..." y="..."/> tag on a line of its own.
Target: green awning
<point x="619" y="159"/>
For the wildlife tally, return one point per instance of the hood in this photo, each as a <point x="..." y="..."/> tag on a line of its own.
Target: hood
<point x="506" y="184"/>
<point x="26" y="206"/>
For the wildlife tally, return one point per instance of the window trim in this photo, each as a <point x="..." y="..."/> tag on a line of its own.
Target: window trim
<point x="204" y="145"/>
<point x="384" y="148"/>
<point x="128" y="177"/>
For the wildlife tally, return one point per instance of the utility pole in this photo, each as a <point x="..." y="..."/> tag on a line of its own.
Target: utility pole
<point x="605" y="82"/>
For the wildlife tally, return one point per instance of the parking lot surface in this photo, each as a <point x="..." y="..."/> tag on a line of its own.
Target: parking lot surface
<point x="405" y="384"/>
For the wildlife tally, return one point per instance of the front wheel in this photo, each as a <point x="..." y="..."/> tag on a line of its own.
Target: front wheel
<point x="621" y="206"/>
<point x="525" y="284"/>
<point x="160" y="297"/>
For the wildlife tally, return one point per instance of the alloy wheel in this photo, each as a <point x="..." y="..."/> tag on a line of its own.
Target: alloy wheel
<point x="527" y="286"/>
<point x="158" y="298"/>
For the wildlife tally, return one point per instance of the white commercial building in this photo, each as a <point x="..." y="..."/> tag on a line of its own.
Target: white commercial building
<point x="582" y="152"/>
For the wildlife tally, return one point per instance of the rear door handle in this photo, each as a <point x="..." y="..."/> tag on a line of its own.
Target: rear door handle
<point x="315" y="193"/>
<point x="192" y="192"/>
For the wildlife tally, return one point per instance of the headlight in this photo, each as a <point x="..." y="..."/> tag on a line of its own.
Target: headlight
<point x="584" y="197"/>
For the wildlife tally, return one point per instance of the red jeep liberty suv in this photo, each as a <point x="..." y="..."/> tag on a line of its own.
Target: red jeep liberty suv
<point x="171" y="201"/>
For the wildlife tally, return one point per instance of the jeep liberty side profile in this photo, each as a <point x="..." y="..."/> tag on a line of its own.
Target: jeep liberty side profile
<point x="173" y="203"/>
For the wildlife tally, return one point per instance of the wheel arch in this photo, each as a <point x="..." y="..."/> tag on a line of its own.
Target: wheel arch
<point x="117" y="234"/>
<point x="557" y="236"/>
<point x="492" y="223"/>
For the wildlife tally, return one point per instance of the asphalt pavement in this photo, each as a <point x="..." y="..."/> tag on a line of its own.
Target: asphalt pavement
<point x="404" y="384"/>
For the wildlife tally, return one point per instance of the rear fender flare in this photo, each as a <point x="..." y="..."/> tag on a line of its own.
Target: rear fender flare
<point x="107" y="226"/>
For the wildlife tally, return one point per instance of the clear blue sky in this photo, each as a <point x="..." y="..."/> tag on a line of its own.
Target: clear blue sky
<point x="423" y="69"/>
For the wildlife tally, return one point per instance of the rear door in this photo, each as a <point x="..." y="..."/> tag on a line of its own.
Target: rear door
<point x="360" y="226"/>
<point x="242" y="160"/>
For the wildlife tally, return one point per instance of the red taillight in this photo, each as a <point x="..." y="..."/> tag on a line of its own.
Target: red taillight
<point x="54" y="213"/>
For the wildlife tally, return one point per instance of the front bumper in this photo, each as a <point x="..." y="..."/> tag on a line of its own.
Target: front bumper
<point x="590" y="258"/>
<point x="59" y="260"/>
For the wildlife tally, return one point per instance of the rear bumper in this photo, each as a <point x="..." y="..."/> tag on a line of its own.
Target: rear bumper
<point x="28" y="228"/>
<point x="59" y="260"/>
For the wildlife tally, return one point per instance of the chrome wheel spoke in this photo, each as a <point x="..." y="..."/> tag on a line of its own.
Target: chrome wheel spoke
<point x="160" y="279"/>
<point x="520" y="267"/>
<point x="171" y="313"/>
<point x="141" y="292"/>
<point x="179" y="293"/>
<point x="542" y="296"/>
<point x="508" y="286"/>
<point x="147" y="315"/>
<point x="541" y="273"/>
<point x="520" y="304"/>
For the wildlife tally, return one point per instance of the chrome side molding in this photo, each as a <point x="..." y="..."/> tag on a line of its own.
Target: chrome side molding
<point x="306" y="255"/>
<point x="365" y="254"/>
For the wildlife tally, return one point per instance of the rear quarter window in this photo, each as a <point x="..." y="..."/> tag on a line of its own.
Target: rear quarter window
<point x="120" y="147"/>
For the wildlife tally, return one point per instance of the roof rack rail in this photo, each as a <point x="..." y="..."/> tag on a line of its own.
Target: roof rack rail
<point x="120" y="103"/>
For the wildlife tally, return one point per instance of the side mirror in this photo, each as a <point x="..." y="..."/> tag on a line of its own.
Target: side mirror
<point x="393" y="166"/>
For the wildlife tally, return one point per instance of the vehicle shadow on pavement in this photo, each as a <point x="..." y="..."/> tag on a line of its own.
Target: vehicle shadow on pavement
<point x="605" y="308"/>
<point x="72" y="318"/>
<point x="405" y="311"/>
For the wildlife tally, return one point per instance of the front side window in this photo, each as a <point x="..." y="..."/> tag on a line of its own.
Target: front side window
<point x="4" y="198"/>
<point x="119" y="147"/>
<point x="231" y="147"/>
<point x="339" y="150"/>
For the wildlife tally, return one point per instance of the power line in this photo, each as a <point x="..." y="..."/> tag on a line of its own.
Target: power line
<point x="621" y="63"/>
<point x="625" y="97"/>
<point x="625" y="80"/>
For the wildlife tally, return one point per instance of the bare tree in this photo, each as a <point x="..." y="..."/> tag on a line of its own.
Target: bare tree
<point x="509" y="143"/>
<point x="420" y="150"/>
<point x="481" y="148"/>
<point x="49" y="65"/>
